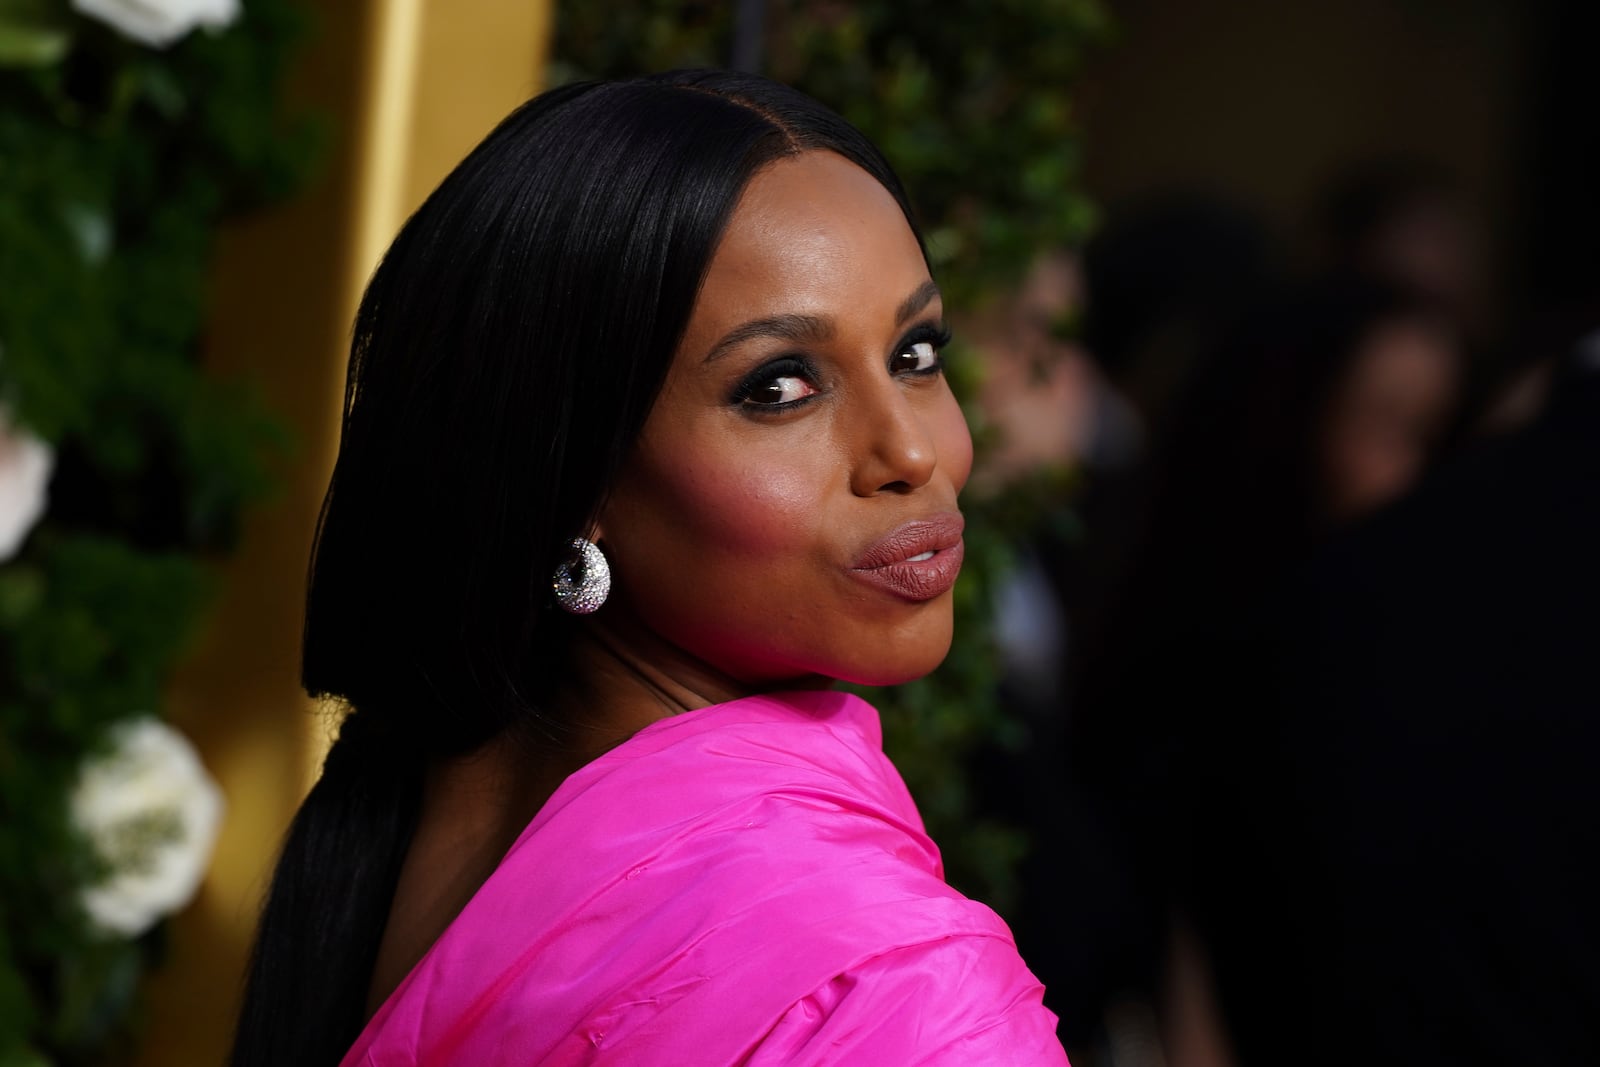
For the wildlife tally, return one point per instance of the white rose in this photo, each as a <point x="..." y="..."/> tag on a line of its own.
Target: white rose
<point x="152" y="813"/>
<point x="158" y="23"/>
<point x="25" y="463"/>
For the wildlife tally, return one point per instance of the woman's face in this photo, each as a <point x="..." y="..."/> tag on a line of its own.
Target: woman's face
<point x="1385" y="417"/>
<point x="791" y="508"/>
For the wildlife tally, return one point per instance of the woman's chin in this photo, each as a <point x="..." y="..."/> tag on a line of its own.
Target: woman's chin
<point x="875" y="677"/>
<point x="881" y="679"/>
<point x="897" y="672"/>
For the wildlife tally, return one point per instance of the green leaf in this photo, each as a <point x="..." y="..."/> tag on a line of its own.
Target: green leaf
<point x="90" y="226"/>
<point x="21" y="592"/>
<point x="29" y="39"/>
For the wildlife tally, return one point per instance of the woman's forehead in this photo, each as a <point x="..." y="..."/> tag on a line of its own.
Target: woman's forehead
<point x="813" y="234"/>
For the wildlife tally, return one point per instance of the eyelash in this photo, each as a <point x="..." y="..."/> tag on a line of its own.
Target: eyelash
<point x="800" y="367"/>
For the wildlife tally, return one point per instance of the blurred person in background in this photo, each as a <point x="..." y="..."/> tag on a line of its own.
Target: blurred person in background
<point x="1404" y="220"/>
<point x="1393" y="853"/>
<point x="1164" y="279"/>
<point x="1400" y="830"/>
<point x="1156" y="285"/>
<point x="1317" y="408"/>
<point x="1310" y="413"/>
<point x="1367" y="798"/>
<point x="1038" y="392"/>
<point x="1387" y="410"/>
<point x="1096" y="348"/>
<point x="1050" y="418"/>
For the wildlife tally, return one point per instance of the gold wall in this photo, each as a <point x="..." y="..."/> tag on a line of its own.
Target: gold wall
<point x="409" y="86"/>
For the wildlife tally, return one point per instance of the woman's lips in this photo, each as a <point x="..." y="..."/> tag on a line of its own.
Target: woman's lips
<point x="916" y="561"/>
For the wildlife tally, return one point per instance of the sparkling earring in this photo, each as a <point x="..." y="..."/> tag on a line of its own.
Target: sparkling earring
<point x="582" y="581"/>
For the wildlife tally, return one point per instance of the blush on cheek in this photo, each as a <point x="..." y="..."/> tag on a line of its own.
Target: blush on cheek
<point x="758" y="507"/>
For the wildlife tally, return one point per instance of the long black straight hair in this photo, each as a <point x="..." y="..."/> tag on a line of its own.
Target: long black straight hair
<point x="505" y="356"/>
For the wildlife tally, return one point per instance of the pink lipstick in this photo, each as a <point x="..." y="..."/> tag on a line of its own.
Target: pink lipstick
<point x="916" y="561"/>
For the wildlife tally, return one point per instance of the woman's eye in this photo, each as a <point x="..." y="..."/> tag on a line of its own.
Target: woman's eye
<point x="786" y="381"/>
<point x="781" y="390"/>
<point x="919" y="352"/>
<point x="917" y="358"/>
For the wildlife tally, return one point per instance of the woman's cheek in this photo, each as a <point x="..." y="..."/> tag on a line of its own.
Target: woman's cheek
<point x="752" y="505"/>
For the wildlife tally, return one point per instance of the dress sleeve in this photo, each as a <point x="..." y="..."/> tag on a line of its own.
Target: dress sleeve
<point x="954" y="1001"/>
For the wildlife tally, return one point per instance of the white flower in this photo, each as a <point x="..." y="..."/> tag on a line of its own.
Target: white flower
<point x="152" y="813"/>
<point x="158" y="23"/>
<point x="25" y="463"/>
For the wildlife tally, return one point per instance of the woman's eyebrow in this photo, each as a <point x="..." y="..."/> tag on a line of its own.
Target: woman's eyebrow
<point x="811" y="329"/>
<point x="800" y="329"/>
<point x="925" y="294"/>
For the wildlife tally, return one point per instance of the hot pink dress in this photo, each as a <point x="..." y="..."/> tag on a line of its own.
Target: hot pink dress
<point x="748" y="883"/>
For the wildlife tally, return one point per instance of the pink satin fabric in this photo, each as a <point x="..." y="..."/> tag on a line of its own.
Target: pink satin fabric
<point x="748" y="883"/>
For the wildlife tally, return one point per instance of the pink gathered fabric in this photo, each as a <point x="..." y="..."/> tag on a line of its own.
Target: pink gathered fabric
<point x="748" y="883"/>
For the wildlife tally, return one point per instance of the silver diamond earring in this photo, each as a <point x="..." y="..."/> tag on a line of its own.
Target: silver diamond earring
<point x="583" y="581"/>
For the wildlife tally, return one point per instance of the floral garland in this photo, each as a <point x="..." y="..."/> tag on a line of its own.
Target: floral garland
<point x="128" y="128"/>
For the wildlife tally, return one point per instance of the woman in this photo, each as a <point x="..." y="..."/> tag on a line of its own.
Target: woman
<point x="674" y="343"/>
<point x="1314" y="411"/>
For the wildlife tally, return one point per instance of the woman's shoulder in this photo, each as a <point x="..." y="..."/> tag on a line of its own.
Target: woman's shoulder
<point x="793" y="757"/>
<point x="739" y="801"/>
<point x="714" y="878"/>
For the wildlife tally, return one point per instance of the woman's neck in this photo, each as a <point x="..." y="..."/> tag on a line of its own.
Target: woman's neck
<point x="623" y="678"/>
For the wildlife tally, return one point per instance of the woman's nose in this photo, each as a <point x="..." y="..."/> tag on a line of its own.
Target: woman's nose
<point x="894" y="451"/>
